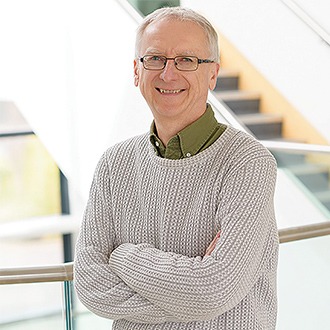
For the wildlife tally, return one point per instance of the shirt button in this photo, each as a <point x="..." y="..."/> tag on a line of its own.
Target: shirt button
<point x="157" y="144"/>
<point x="188" y="154"/>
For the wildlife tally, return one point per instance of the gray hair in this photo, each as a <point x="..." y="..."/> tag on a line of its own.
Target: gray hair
<point x="181" y="14"/>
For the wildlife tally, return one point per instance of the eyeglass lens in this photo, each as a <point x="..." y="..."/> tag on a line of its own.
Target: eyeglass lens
<point x="183" y="63"/>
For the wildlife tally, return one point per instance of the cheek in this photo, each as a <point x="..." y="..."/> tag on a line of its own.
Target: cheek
<point x="146" y="81"/>
<point x="200" y="82"/>
<point x="202" y="85"/>
<point x="145" y="86"/>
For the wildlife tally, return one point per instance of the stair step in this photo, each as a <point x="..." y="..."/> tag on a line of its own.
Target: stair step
<point x="227" y="80"/>
<point x="327" y="205"/>
<point x="315" y="181"/>
<point x="263" y="126"/>
<point x="323" y="196"/>
<point x="237" y="95"/>
<point x="308" y="169"/>
<point x="287" y="159"/>
<point x="293" y="140"/>
<point x="260" y="118"/>
<point x="228" y="72"/>
<point x="240" y="102"/>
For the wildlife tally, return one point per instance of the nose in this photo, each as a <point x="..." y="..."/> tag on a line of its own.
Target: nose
<point x="169" y="72"/>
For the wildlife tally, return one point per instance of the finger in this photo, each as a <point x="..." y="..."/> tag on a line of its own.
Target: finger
<point x="210" y="248"/>
<point x="213" y="244"/>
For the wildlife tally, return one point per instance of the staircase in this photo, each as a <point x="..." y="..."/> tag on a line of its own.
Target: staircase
<point x="246" y="106"/>
<point x="315" y="177"/>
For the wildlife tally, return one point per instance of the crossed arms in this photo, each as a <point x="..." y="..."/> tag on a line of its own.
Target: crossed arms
<point x="141" y="283"/>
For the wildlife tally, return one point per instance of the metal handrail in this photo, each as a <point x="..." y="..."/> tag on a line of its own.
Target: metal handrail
<point x="64" y="272"/>
<point x="296" y="147"/>
<point x="16" y="133"/>
<point x="304" y="232"/>
<point x="225" y="112"/>
<point x="36" y="274"/>
<point x="308" y="20"/>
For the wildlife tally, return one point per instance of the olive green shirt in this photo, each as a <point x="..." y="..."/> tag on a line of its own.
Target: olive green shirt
<point x="193" y="139"/>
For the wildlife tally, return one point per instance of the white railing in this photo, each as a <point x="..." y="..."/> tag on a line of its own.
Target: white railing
<point x="308" y="20"/>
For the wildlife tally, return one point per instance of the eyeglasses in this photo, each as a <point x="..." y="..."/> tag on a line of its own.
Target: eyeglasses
<point x="182" y="63"/>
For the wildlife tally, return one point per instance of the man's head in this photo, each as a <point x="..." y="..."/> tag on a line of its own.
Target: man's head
<point x="175" y="90"/>
<point x="184" y="15"/>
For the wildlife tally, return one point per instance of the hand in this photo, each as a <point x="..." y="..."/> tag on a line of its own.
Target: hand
<point x="211" y="247"/>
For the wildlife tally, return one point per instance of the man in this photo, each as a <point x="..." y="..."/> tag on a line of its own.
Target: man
<point x="179" y="231"/>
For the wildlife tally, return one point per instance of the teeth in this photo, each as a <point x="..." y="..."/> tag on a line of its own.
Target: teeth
<point x="169" y="91"/>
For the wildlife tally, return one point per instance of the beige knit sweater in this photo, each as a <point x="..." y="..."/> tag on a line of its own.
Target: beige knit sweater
<point x="139" y="256"/>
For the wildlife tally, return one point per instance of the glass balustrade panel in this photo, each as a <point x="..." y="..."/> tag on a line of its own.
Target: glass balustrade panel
<point x="303" y="284"/>
<point x="20" y="252"/>
<point x="303" y="292"/>
<point x="303" y="289"/>
<point x="29" y="179"/>
<point x="303" y="188"/>
<point x="32" y="306"/>
<point x="82" y="318"/>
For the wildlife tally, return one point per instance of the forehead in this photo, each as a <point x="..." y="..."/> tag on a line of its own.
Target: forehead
<point x="173" y="37"/>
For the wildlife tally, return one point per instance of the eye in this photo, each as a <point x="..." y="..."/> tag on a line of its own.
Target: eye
<point x="186" y="59"/>
<point x="155" y="58"/>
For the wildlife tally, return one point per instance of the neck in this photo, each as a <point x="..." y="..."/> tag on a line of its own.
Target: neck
<point x="165" y="131"/>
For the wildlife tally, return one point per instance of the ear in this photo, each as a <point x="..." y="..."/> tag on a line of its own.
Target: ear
<point x="136" y="73"/>
<point x="214" y="75"/>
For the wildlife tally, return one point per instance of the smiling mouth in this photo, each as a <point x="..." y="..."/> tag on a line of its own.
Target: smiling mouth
<point x="169" y="91"/>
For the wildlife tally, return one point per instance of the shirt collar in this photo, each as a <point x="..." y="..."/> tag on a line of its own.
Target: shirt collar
<point x="156" y="142"/>
<point x="188" y="141"/>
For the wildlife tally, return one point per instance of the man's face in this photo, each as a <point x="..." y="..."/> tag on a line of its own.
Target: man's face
<point x="172" y="94"/>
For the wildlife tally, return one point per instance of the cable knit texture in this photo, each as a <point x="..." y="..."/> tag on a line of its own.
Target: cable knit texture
<point x="140" y="251"/>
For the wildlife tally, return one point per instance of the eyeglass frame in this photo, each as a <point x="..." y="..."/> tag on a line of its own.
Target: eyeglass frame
<point x="199" y="61"/>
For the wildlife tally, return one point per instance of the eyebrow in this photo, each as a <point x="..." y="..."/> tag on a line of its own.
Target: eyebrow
<point x="157" y="52"/>
<point x="153" y="51"/>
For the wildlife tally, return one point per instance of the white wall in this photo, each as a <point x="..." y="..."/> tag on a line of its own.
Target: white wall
<point x="68" y="67"/>
<point x="281" y="47"/>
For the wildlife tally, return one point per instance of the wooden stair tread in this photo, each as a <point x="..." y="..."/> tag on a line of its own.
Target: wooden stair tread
<point x="224" y="73"/>
<point x="307" y="169"/>
<point x="260" y="118"/>
<point x="237" y="95"/>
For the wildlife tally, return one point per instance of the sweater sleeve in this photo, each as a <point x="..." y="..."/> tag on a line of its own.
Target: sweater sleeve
<point x="201" y="288"/>
<point x="97" y="286"/>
